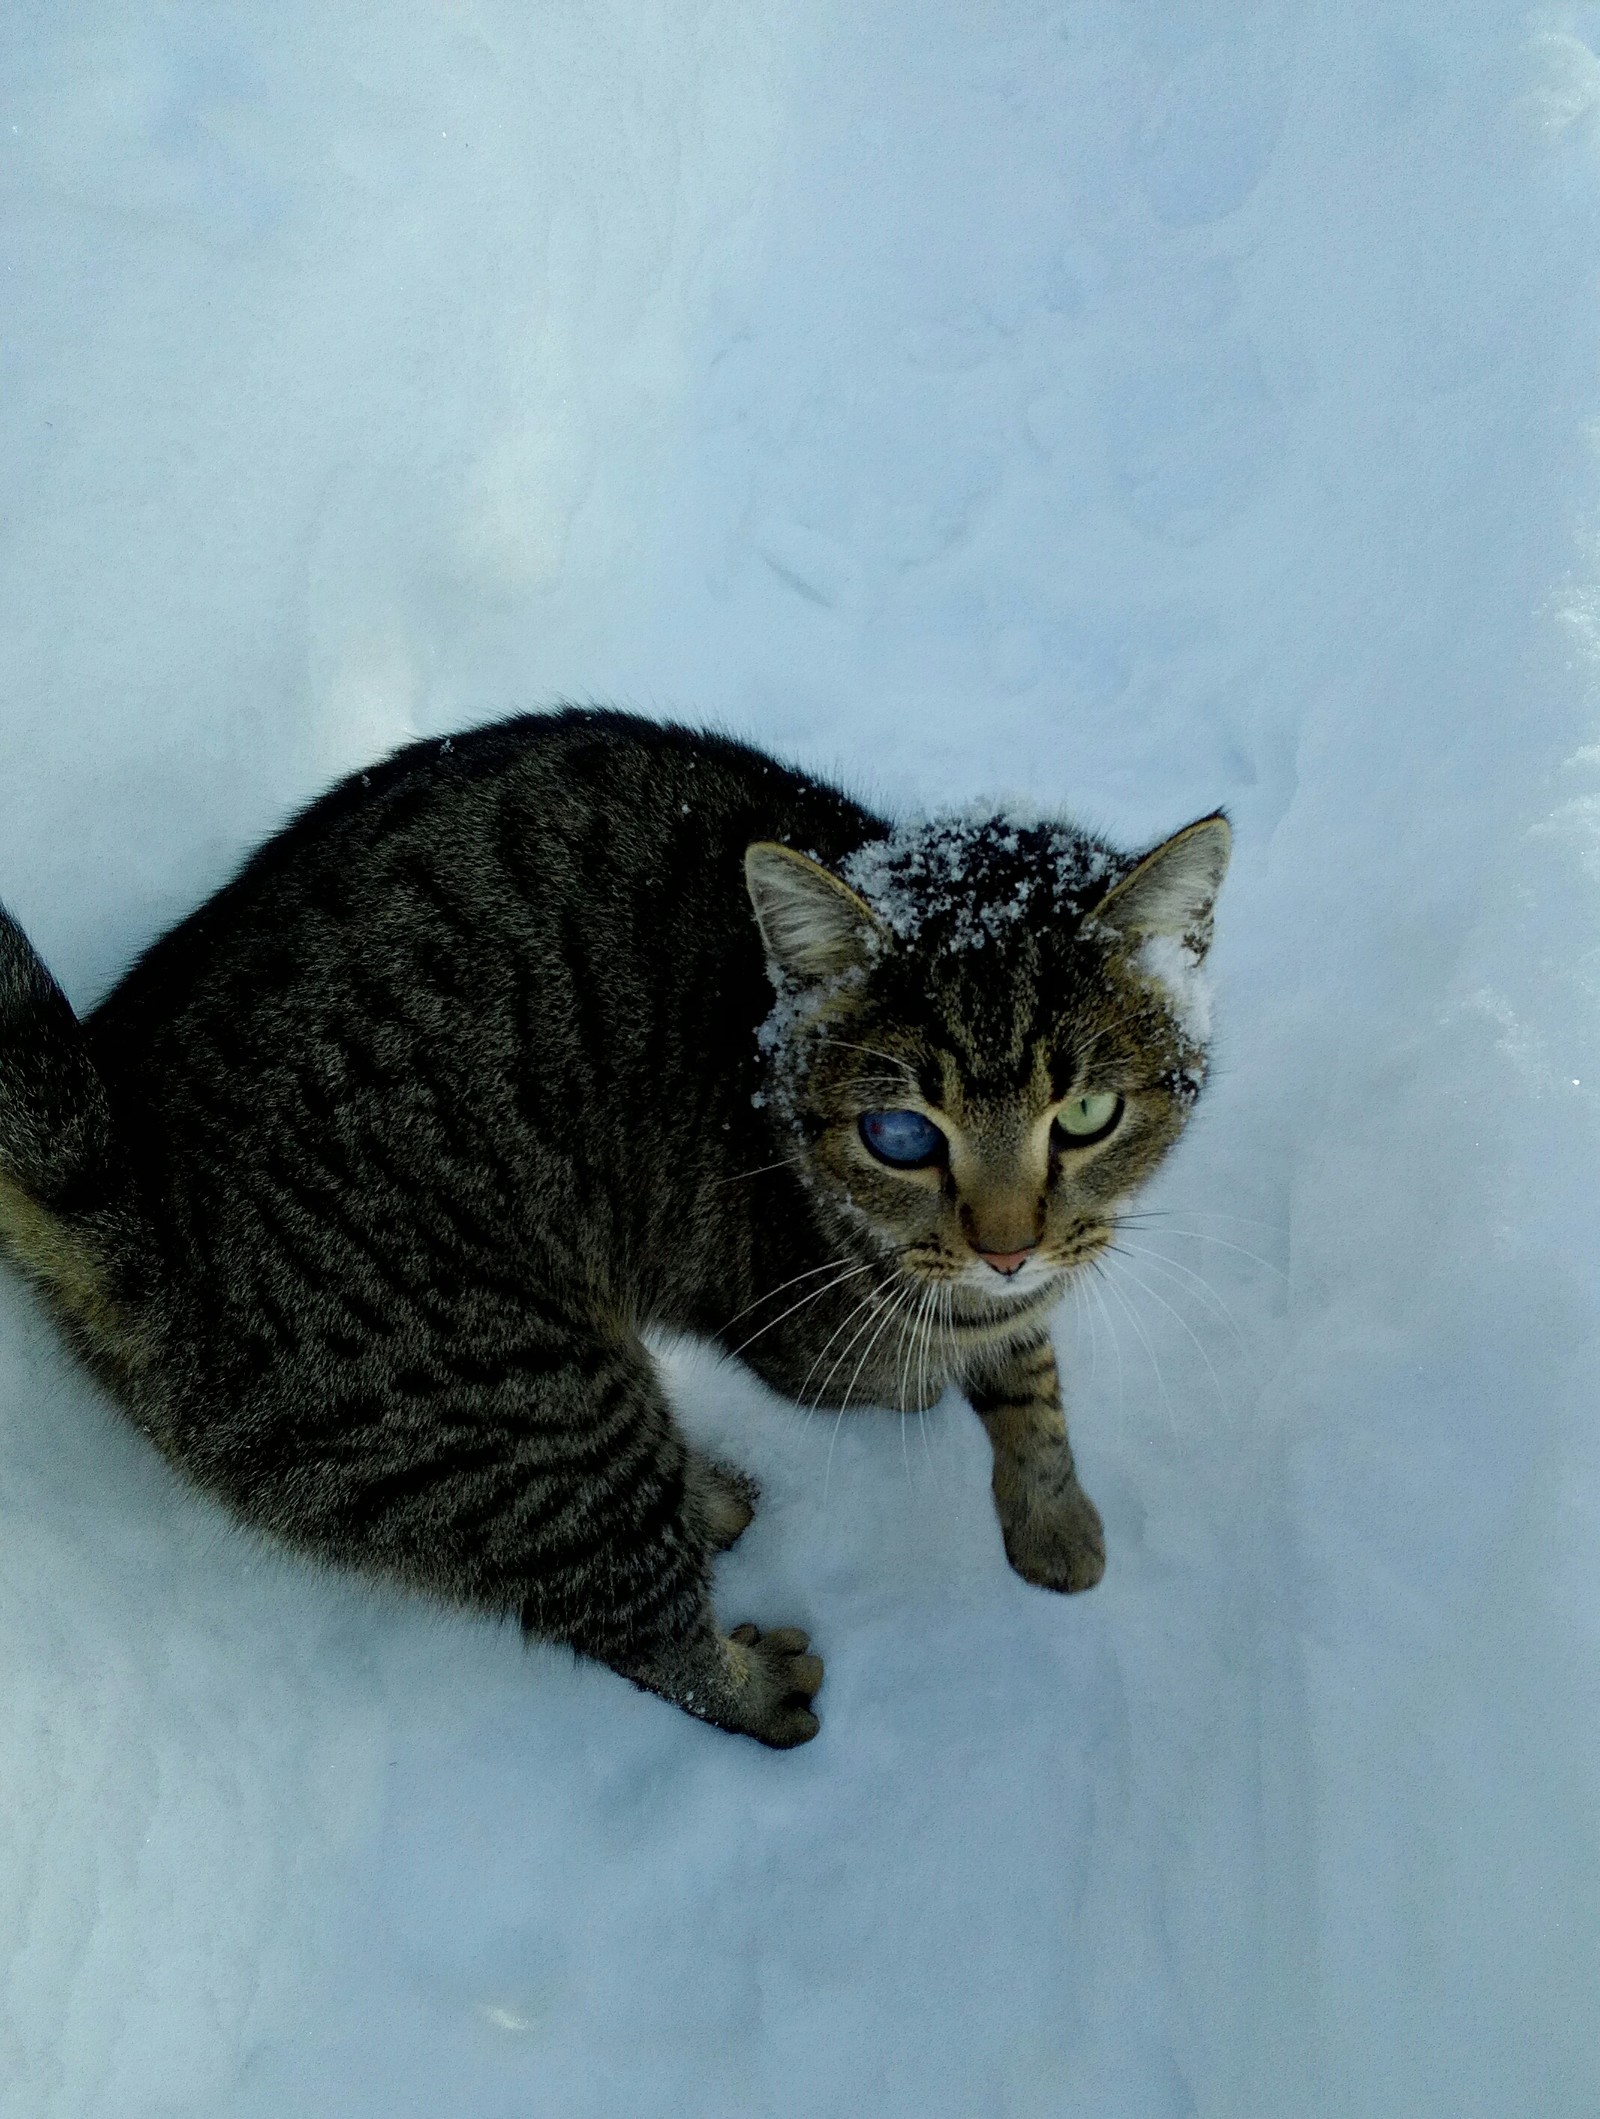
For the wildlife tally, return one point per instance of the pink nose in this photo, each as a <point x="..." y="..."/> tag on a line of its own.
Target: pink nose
<point x="1005" y="1262"/>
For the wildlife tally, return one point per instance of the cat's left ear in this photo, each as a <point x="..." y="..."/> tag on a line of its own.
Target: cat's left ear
<point x="814" y="926"/>
<point x="1173" y="889"/>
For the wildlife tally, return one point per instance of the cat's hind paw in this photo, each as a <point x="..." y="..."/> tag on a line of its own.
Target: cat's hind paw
<point x="775" y="1679"/>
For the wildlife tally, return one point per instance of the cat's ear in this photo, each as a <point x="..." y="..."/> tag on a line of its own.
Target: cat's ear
<point x="1173" y="889"/>
<point x="814" y="926"/>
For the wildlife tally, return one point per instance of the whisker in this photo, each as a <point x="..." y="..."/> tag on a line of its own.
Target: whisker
<point x="880" y="1309"/>
<point x="1094" y="1329"/>
<point x="784" y="1162"/>
<point x="814" y="1295"/>
<point x="1085" y="1316"/>
<point x="906" y="1365"/>
<point x="844" y="1044"/>
<point x="1144" y="1340"/>
<point x="1105" y="1031"/>
<point x="1201" y="1236"/>
<point x="1207" y="1214"/>
<point x="924" y="1341"/>
<point x="1171" y="1268"/>
<point x="871" y="1296"/>
<point x="1116" y="1343"/>
<point x="901" y="1378"/>
<point x="794" y="1280"/>
<point x="1216" y="1381"/>
<point x="943" y="1302"/>
<point x="897" y="1304"/>
<point x="908" y="1348"/>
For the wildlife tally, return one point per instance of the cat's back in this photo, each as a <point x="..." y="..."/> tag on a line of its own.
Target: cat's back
<point x="514" y="925"/>
<point x="580" y="818"/>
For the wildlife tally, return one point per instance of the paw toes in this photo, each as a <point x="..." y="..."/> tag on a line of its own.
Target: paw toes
<point x="1059" y="1543"/>
<point x="787" y="1640"/>
<point x="805" y="1674"/>
<point x="794" y="1725"/>
<point x="1088" y="1570"/>
<point x="783" y="1677"/>
<point x="1066" y="1572"/>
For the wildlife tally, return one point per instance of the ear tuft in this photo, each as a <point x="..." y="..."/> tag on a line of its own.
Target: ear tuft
<point x="813" y="925"/>
<point x="1174" y="888"/>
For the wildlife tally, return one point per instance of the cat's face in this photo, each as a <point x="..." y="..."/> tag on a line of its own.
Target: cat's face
<point x="987" y="1037"/>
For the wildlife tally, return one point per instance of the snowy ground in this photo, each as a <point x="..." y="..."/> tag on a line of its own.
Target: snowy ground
<point x="1145" y="407"/>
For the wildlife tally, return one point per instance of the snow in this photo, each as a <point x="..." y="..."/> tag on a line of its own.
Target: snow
<point x="1140" y="409"/>
<point x="1180" y="975"/>
<point x="973" y="877"/>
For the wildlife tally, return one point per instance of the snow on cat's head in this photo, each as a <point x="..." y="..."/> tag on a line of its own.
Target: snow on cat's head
<point x="988" y="1032"/>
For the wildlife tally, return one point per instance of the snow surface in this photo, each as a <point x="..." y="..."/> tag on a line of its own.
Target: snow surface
<point x="1136" y="407"/>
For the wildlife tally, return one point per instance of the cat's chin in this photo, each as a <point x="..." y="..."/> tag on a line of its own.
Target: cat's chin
<point x="984" y="1289"/>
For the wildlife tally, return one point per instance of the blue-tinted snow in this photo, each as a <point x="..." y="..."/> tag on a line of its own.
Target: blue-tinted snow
<point x="1126" y="409"/>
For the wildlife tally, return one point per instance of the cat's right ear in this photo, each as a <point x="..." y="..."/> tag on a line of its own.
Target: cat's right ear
<point x="1173" y="889"/>
<point x="814" y="926"/>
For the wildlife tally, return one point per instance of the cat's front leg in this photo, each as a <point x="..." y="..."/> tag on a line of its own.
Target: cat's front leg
<point x="1052" y="1530"/>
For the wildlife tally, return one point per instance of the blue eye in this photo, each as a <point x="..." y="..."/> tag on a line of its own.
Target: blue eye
<point x="904" y="1138"/>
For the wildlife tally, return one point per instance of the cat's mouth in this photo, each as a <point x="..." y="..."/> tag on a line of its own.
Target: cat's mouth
<point x="1043" y="1268"/>
<point x="1005" y="1291"/>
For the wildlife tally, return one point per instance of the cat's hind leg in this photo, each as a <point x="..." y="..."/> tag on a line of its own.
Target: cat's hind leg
<point x="626" y="1578"/>
<point x="546" y="1479"/>
<point x="756" y="1684"/>
<point x="752" y="1682"/>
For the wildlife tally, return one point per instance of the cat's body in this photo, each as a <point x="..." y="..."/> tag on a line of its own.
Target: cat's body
<point x="362" y="1185"/>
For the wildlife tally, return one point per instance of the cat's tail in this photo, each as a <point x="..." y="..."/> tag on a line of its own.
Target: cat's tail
<point x="55" y="1120"/>
<point x="59" y="1185"/>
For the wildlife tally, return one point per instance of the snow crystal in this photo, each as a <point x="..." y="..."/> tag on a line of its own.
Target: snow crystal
<point x="974" y="875"/>
<point x="1168" y="963"/>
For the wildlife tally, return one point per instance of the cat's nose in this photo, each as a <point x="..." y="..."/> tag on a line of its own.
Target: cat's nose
<point x="1007" y="1262"/>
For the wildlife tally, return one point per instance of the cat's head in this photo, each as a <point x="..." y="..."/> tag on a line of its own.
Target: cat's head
<point x="987" y="1036"/>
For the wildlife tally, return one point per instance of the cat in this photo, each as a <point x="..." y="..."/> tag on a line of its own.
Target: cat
<point x="359" y="1189"/>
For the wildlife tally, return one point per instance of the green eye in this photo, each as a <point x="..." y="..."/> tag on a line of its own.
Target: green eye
<point x="1088" y="1118"/>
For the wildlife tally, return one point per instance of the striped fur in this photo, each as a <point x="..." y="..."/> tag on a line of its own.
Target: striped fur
<point x="361" y="1186"/>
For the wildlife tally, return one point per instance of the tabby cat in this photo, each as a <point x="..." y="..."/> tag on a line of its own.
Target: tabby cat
<point x="360" y="1188"/>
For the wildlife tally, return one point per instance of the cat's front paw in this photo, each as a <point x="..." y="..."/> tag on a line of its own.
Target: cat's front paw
<point x="1059" y="1543"/>
<point x="725" y="1499"/>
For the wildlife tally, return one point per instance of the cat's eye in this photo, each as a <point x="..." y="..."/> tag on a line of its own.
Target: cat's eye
<point x="904" y="1139"/>
<point x="1087" y="1118"/>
